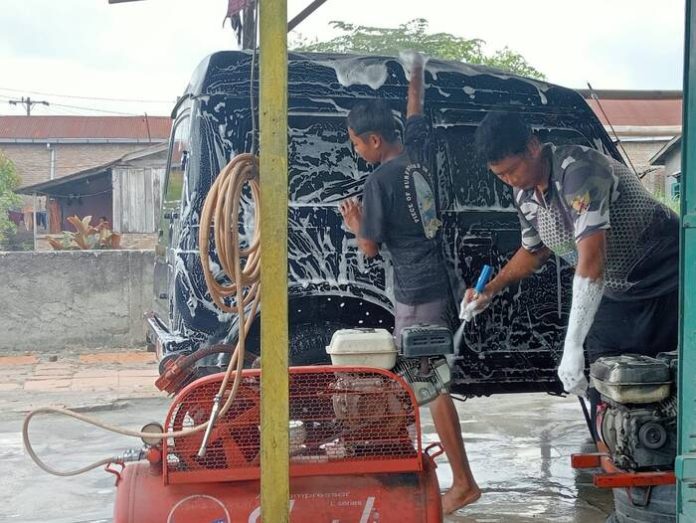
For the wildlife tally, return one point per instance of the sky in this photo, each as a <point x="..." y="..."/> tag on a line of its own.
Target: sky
<point x="89" y="57"/>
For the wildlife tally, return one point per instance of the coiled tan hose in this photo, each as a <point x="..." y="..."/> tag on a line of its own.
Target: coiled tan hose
<point x="221" y="210"/>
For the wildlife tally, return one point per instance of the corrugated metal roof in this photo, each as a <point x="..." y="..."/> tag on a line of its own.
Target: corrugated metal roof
<point x="639" y="112"/>
<point x="84" y="128"/>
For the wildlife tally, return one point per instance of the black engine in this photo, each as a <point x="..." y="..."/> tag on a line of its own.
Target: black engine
<point x="638" y="421"/>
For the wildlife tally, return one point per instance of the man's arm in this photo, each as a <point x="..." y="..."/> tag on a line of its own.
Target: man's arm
<point x="588" y="288"/>
<point x="588" y="186"/>
<point x="523" y="264"/>
<point x="591" y="259"/>
<point x="592" y="255"/>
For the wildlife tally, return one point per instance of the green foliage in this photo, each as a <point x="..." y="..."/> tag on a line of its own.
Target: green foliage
<point x="85" y="236"/>
<point x="672" y="203"/>
<point x="508" y="60"/>
<point x="9" y="181"/>
<point x="413" y="35"/>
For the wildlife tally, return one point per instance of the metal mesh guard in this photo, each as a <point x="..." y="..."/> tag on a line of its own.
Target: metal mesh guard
<point x="343" y="420"/>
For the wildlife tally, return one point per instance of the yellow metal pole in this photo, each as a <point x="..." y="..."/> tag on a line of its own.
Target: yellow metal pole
<point x="273" y="124"/>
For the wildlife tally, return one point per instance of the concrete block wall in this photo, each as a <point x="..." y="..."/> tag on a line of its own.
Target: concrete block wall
<point x="52" y="301"/>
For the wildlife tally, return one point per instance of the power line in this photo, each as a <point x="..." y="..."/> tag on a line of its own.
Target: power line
<point x="80" y="107"/>
<point x="100" y="98"/>
<point x="96" y="110"/>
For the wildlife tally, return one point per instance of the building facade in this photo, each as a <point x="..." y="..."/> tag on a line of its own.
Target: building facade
<point x="642" y="122"/>
<point x="44" y="148"/>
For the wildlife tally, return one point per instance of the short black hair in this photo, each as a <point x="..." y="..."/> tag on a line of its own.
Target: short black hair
<point x="373" y="116"/>
<point x="501" y="134"/>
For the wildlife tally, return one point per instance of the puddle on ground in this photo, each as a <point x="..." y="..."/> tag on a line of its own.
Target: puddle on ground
<point x="519" y="447"/>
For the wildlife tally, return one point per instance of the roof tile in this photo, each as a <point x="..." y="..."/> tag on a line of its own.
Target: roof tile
<point x="84" y="127"/>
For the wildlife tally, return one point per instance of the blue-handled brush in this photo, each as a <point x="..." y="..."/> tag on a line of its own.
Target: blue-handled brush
<point x="478" y="289"/>
<point x="483" y="279"/>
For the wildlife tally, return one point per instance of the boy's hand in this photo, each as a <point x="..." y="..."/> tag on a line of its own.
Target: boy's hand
<point x="351" y="210"/>
<point x="412" y="61"/>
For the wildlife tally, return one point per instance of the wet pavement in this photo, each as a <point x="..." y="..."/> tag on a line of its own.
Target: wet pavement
<point x="519" y="447"/>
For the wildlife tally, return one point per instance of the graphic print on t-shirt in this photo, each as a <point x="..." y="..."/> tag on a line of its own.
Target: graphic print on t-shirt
<point x="420" y="199"/>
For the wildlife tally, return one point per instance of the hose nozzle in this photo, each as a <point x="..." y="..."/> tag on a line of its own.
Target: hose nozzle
<point x="211" y="422"/>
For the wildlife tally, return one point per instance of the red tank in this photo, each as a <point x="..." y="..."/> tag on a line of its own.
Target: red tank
<point x="355" y="455"/>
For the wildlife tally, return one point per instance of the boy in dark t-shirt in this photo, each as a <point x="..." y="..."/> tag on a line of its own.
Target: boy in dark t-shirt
<point x="399" y="212"/>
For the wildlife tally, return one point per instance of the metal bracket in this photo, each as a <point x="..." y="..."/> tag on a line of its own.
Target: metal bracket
<point x="589" y="460"/>
<point x="685" y="467"/>
<point x="117" y="473"/>
<point x="689" y="221"/>
<point x="647" y="492"/>
<point x="633" y="479"/>
<point x="436" y="448"/>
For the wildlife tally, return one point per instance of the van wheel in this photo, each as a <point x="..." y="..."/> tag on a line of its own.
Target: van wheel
<point x="308" y="341"/>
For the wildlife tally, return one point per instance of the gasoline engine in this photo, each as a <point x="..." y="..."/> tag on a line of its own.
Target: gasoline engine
<point x="421" y="363"/>
<point x="638" y="419"/>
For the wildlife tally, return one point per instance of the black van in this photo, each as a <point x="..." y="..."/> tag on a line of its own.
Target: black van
<point x="512" y="347"/>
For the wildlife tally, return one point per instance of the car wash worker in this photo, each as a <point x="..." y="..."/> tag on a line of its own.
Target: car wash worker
<point x="592" y="211"/>
<point x="399" y="212"/>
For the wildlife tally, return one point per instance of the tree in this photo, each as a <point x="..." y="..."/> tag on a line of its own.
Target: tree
<point x="413" y="35"/>
<point x="9" y="181"/>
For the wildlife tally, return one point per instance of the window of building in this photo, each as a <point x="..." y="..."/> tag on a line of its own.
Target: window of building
<point x="675" y="190"/>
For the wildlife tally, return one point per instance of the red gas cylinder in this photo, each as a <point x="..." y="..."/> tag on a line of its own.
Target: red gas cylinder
<point x="355" y="455"/>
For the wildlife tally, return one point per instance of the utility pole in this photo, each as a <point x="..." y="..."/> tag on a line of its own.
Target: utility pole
<point x="28" y="103"/>
<point x="275" y="392"/>
<point x="248" y="21"/>
<point x="249" y="26"/>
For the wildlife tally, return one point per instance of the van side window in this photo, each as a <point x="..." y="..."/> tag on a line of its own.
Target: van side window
<point x="178" y="158"/>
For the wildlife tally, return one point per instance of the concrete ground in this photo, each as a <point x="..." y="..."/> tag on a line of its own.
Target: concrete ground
<point x="76" y="379"/>
<point x="519" y="445"/>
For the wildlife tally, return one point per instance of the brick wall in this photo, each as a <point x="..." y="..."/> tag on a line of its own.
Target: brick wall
<point x="33" y="161"/>
<point x="640" y="154"/>
<point x="654" y="181"/>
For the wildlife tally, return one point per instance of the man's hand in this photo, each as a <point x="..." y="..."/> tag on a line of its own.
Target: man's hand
<point x="571" y="371"/>
<point x="473" y="304"/>
<point x="351" y="210"/>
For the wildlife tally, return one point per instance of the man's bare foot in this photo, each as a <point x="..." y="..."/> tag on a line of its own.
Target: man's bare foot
<point x="455" y="498"/>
